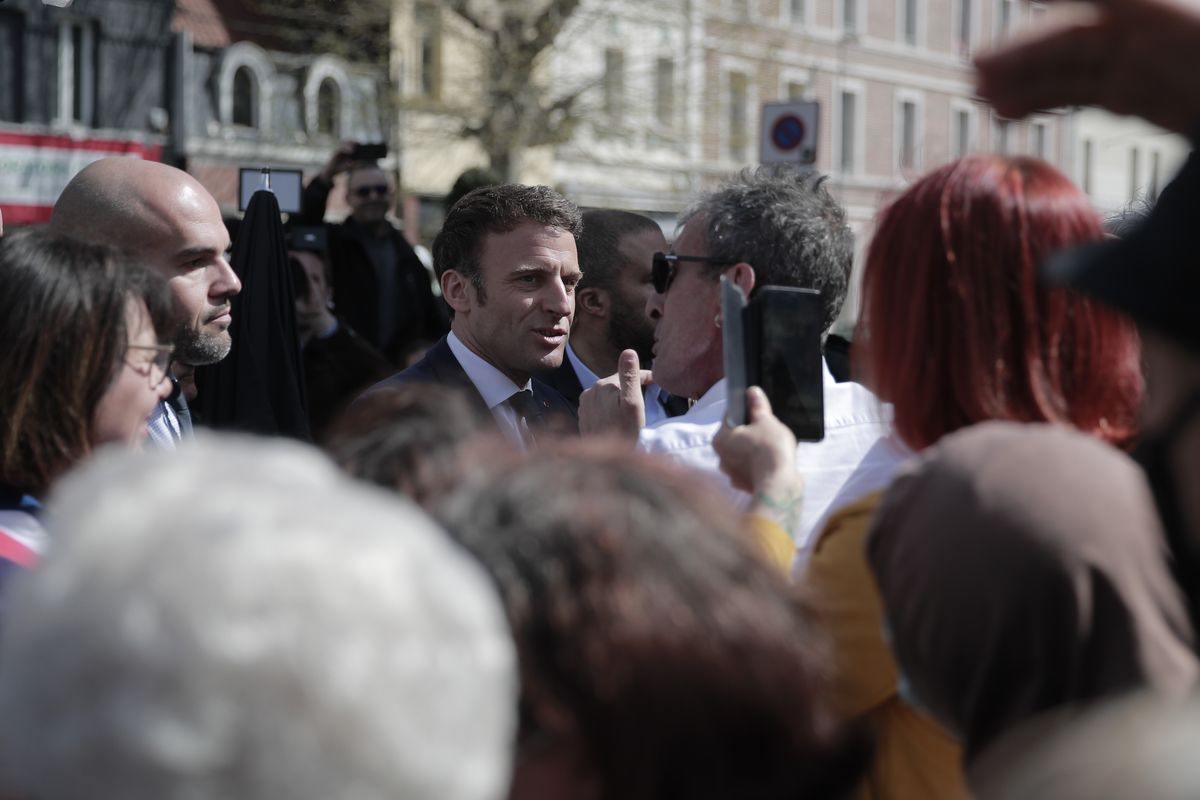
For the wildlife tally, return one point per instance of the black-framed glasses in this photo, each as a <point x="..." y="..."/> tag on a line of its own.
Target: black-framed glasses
<point x="663" y="266"/>
<point x="156" y="370"/>
<point x="380" y="189"/>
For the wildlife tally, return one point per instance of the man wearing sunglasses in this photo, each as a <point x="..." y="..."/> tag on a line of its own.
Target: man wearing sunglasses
<point x="615" y="252"/>
<point x="766" y="227"/>
<point x="381" y="287"/>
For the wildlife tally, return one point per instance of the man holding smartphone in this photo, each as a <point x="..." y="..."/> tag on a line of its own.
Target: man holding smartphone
<point x="769" y="227"/>
<point x="380" y="286"/>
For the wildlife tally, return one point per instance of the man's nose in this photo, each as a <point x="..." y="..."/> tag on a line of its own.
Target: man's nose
<point x="654" y="306"/>
<point x="227" y="283"/>
<point x="558" y="300"/>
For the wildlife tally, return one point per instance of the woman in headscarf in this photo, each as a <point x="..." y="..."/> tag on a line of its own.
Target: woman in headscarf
<point x="1023" y="570"/>
<point x="957" y="329"/>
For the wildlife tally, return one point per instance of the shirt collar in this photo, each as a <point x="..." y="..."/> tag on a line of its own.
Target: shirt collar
<point x="493" y="385"/>
<point x="586" y="377"/>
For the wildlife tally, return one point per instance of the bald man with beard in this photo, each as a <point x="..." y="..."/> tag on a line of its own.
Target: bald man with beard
<point x="164" y="217"/>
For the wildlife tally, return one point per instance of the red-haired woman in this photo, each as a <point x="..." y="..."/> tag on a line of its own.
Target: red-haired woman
<point x="957" y="329"/>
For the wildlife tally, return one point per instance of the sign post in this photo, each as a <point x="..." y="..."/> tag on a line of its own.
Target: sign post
<point x="789" y="133"/>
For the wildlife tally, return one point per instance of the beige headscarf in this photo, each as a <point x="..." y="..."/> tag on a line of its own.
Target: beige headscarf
<point x="1022" y="569"/>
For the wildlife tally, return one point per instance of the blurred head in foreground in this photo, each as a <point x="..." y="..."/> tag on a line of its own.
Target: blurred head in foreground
<point x="1023" y="570"/>
<point x="294" y="635"/>
<point x="409" y="438"/>
<point x="660" y="656"/>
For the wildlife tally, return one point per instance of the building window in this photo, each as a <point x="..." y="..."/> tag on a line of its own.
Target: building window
<point x="245" y="98"/>
<point x="664" y="91"/>
<point x="12" y="62"/>
<point x="329" y="100"/>
<point x="429" y="52"/>
<point x="848" y="131"/>
<point x="909" y="15"/>
<point x="1135" y="172"/>
<point x="907" y="135"/>
<point x="849" y="17"/>
<point x="1002" y="136"/>
<point x="76" y="73"/>
<point x="796" y="90"/>
<point x="1039" y="140"/>
<point x="1006" y="15"/>
<point x="797" y="11"/>
<point x="962" y="132"/>
<point x="1155" y="175"/>
<point x="614" y="84"/>
<point x="739" y="87"/>
<point x="964" y="25"/>
<point x="1085" y="168"/>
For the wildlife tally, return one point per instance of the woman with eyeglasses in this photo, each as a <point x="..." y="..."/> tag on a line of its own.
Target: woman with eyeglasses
<point x="82" y="366"/>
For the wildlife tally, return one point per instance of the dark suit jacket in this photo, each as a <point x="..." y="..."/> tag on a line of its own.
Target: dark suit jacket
<point x="356" y="286"/>
<point x="564" y="381"/>
<point x="440" y="366"/>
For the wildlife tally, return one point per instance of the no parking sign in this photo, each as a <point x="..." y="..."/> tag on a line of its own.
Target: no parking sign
<point x="789" y="132"/>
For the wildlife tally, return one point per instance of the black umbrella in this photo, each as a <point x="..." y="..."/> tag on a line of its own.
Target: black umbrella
<point x="259" y="386"/>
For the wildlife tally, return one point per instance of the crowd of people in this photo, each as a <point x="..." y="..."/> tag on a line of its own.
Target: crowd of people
<point x="532" y="556"/>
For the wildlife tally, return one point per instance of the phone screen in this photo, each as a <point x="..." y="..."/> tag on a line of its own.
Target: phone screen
<point x="285" y="184"/>
<point x="787" y="325"/>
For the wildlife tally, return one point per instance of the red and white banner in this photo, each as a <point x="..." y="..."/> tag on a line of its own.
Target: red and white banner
<point x="34" y="169"/>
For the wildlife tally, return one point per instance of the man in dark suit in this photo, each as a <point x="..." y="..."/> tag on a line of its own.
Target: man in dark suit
<point x="615" y="253"/>
<point x="508" y="266"/>
<point x="381" y="288"/>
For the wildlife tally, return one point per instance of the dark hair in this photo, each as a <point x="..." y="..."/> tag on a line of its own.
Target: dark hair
<point x="784" y="224"/>
<point x="63" y="325"/>
<point x="599" y="256"/>
<point x="407" y="438"/>
<point x="643" y="613"/>
<point x="959" y="328"/>
<point x="497" y="209"/>
<point x="470" y="180"/>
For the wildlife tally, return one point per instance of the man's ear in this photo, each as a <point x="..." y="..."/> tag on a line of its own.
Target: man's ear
<point x="457" y="291"/>
<point x="742" y="274"/>
<point x="596" y="302"/>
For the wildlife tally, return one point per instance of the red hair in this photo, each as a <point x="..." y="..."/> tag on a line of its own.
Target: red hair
<point x="958" y="329"/>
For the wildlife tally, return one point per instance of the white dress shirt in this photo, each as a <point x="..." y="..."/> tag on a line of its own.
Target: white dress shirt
<point x="493" y="386"/>
<point x="857" y="456"/>
<point x="655" y="412"/>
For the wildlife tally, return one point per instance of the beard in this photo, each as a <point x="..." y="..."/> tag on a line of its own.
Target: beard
<point x="197" y="348"/>
<point x="630" y="329"/>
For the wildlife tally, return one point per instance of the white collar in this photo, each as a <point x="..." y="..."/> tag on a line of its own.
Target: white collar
<point x="493" y="385"/>
<point x="586" y="377"/>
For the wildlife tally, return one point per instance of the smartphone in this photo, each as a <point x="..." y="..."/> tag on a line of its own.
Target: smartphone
<point x="285" y="184"/>
<point x="783" y="356"/>
<point x="774" y="342"/>
<point x="372" y="151"/>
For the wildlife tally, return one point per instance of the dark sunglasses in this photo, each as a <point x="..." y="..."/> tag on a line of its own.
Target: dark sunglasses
<point x="366" y="191"/>
<point x="663" y="266"/>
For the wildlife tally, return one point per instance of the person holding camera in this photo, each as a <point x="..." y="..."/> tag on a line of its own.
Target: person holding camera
<point x="381" y="287"/>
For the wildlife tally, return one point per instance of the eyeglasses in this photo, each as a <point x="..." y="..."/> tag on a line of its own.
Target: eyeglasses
<point x="380" y="189"/>
<point x="156" y="370"/>
<point x="663" y="266"/>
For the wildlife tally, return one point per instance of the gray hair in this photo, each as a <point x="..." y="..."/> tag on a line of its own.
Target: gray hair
<point x="784" y="224"/>
<point x="237" y="620"/>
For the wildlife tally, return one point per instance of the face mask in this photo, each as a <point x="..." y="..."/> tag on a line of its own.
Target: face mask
<point x="1154" y="454"/>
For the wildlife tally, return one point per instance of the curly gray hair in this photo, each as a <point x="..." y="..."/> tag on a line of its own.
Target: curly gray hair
<point x="784" y="224"/>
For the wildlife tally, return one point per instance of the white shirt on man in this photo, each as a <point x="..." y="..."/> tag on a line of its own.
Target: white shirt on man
<point x="858" y="455"/>
<point x="493" y="386"/>
<point x="655" y="412"/>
